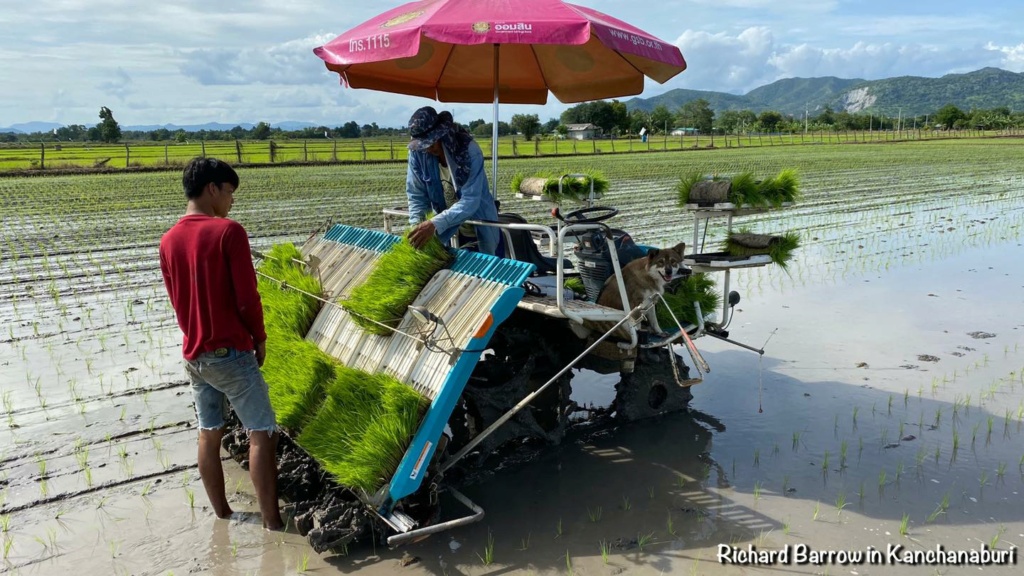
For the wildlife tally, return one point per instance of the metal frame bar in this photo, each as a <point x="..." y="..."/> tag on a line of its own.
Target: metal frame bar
<point x="476" y="516"/>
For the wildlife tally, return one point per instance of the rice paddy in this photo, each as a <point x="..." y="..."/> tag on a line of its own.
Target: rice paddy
<point x="899" y="310"/>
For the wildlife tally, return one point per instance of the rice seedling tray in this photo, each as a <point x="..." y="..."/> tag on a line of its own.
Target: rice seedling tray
<point x="725" y="261"/>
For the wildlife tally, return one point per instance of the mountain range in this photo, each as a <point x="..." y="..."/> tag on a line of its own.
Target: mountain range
<point x="912" y="95"/>
<point x="909" y="95"/>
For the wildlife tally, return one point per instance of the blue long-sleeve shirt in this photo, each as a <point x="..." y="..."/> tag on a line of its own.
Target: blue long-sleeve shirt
<point x="425" y="191"/>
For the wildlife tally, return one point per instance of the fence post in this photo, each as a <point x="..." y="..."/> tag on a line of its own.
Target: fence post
<point x="556" y="144"/>
<point x="203" y="144"/>
<point x="273" y="149"/>
<point x="363" y="144"/>
<point x="536" y="147"/>
<point x="127" y="155"/>
<point x="238" y="151"/>
<point x="42" y="156"/>
<point x="391" y="143"/>
<point x="573" y="145"/>
<point x="334" y="150"/>
<point x="305" y="152"/>
<point x="515" y="147"/>
<point x="594" y="143"/>
<point x="166" y="161"/>
<point x="613" y="145"/>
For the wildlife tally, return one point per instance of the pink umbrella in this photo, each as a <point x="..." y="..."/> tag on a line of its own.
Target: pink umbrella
<point x="512" y="51"/>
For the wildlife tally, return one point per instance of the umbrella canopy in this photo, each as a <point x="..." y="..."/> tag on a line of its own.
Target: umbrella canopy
<point x="512" y="51"/>
<point x="472" y="50"/>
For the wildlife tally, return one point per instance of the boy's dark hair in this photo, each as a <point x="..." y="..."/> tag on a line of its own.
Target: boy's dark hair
<point x="201" y="171"/>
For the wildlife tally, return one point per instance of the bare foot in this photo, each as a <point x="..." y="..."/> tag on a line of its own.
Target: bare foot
<point x="224" y="514"/>
<point x="274" y="526"/>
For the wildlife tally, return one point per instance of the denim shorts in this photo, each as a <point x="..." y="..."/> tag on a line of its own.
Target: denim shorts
<point x="230" y="376"/>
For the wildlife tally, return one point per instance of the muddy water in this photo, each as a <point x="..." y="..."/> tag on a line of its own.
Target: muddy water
<point x="889" y="389"/>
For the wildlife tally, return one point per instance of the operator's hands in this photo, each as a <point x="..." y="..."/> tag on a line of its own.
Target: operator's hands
<point x="261" y="352"/>
<point x="422" y="233"/>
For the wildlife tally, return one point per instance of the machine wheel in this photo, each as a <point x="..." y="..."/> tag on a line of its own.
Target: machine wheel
<point x="651" y="388"/>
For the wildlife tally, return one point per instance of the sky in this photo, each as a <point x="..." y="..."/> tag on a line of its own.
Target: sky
<point x="238" y="61"/>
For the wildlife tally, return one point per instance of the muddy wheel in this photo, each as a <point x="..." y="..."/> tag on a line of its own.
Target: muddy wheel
<point x="651" y="389"/>
<point x="524" y="353"/>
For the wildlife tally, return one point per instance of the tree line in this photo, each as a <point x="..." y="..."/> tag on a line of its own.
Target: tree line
<point x="612" y="117"/>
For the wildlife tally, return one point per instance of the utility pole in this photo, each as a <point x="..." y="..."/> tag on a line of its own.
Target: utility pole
<point x="899" y="120"/>
<point x="805" y="119"/>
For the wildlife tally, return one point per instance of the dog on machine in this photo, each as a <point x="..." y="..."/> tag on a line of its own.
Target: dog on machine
<point x="642" y="278"/>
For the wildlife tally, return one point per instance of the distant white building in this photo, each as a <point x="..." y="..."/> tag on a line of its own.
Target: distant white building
<point x="684" y="131"/>
<point x="583" y="131"/>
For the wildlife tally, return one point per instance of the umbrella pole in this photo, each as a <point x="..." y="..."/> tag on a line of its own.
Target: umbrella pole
<point x="494" y="130"/>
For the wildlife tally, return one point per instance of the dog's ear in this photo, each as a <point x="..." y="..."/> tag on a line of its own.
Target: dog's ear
<point x="653" y="253"/>
<point x="680" y="249"/>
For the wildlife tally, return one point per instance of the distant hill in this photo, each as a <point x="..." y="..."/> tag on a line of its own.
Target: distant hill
<point x="31" y="127"/>
<point x="985" y="88"/>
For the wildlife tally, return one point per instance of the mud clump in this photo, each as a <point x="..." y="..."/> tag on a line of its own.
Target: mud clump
<point x="981" y="335"/>
<point x="927" y="358"/>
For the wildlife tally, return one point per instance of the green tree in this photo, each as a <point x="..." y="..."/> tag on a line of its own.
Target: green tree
<point x="261" y="131"/>
<point x="109" y="130"/>
<point x="526" y="124"/>
<point x="661" y="119"/>
<point x="737" y="120"/>
<point x="696" y="114"/>
<point x="770" y="120"/>
<point x="949" y="115"/>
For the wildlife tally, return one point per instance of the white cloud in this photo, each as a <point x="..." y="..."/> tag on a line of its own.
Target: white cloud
<point x="120" y="87"/>
<point x="1012" y="56"/>
<point x="291" y="62"/>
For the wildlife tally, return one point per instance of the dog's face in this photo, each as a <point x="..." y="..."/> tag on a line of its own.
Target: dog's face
<point x="662" y="264"/>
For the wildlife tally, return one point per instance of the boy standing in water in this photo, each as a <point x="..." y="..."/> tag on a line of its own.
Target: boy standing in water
<point x="209" y="276"/>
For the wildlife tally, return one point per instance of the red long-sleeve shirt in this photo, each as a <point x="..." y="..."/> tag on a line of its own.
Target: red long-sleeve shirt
<point x="208" y="272"/>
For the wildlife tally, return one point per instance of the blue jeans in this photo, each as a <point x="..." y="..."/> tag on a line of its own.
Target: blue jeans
<point x="228" y="375"/>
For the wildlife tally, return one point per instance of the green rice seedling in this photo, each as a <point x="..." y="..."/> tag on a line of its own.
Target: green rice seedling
<point x="684" y="186"/>
<point x="605" y="550"/>
<point x="568" y="563"/>
<point x="890" y="404"/>
<point x="643" y="540"/>
<point x="881" y="479"/>
<point x="995" y="539"/>
<point x="840" y="503"/>
<point x="8" y="545"/>
<point x="783" y="188"/>
<point x="41" y="462"/>
<point x="488" y="557"/>
<point x="650" y="492"/>
<point x="191" y="496"/>
<point x="5" y="523"/>
<point x="899" y="471"/>
<point x="974" y="433"/>
<point x="558" y="529"/>
<point x="8" y="403"/>
<point x="899" y="436"/>
<point x="860" y="447"/>
<point x="780" y="248"/>
<point x="757" y="457"/>
<point x="575" y="284"/>
<point x="785" y="485"/>
<point x="1001" y="470"/>
<point x="817" y="506"/>
<point x="303" y="564"/>
<point x="855" y="409"/>
<point x="906" y="397"/>
<point x="983" y="479"/>
<point x="796" y="440"/>
<point x="146" y="489"/>
<point x="988" y="432"/>
<point x="397" y="278"/>
<point x="860" y="492"/>
<point x="775" y="449"/>
<point x="595" y="514"/>
<point x="682" y="293"/>
<point x="757" y="491"/>
<point x="842" y="454"/>
<point x="904" y="525"/>
<point x="573" y="189"/>
<point x="743" y="189"/>
<point x="625" y="503"/>
<point x="824" y="463"/>
<point x="524" y="543"/>
<point x="956" y="442"/>
<point x="670" y="525"/>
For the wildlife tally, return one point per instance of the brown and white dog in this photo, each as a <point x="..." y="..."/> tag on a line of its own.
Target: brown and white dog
<point x="642" y="278"/>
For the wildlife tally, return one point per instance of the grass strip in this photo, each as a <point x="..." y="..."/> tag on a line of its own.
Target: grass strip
<point x="362" y="430"/>
<point x="682" y="293"/>
<point x="575" y="189"/>
<point x="397" y="278"/>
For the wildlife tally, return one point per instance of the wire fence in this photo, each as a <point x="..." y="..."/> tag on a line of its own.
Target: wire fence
<point x="50" y="155"/>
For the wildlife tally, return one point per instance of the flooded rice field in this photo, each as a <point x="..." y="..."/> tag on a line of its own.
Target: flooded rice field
<point x="884" y="420"/>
